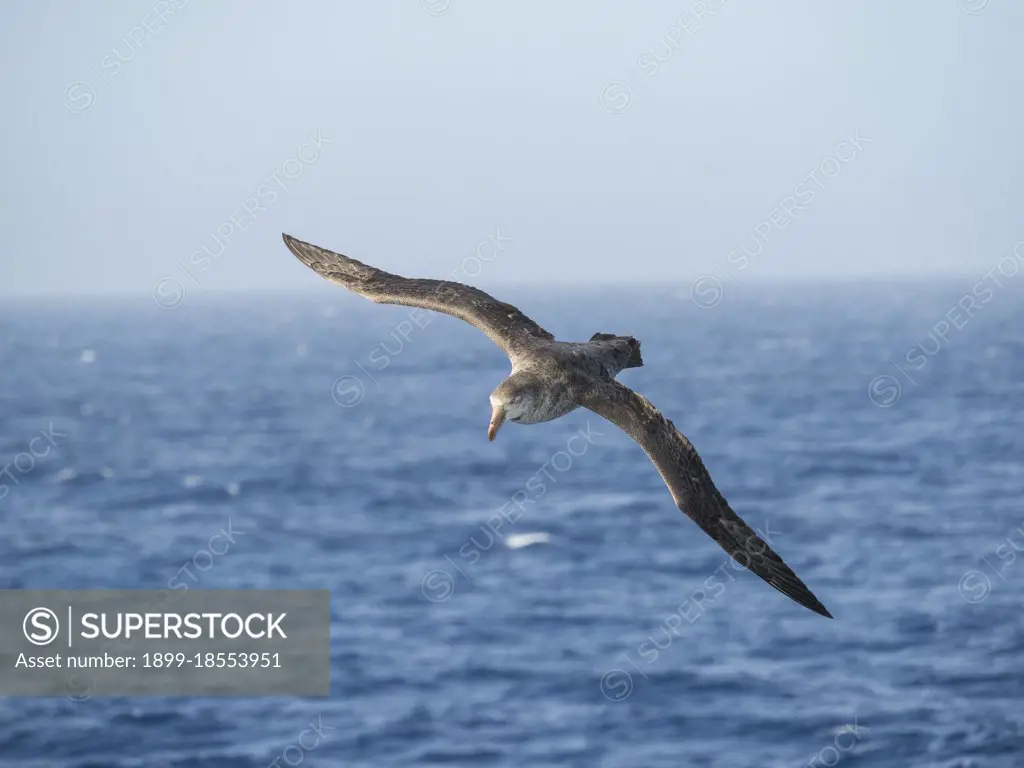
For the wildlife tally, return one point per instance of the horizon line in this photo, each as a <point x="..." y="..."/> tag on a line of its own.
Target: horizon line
<point x="661" y="283"/>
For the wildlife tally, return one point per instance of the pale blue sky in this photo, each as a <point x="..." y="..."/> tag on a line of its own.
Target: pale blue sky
<point x="123" y="158"/>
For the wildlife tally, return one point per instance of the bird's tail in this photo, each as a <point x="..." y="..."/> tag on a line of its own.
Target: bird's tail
<point x="634" y="360"/>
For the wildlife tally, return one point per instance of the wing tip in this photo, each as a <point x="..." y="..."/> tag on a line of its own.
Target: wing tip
<point x="799" y="593"/>
<point x="817" y="607"/>
<point x="309" y="254"/>
<point x="333" y="266"/>
<point x="294" y="244"/>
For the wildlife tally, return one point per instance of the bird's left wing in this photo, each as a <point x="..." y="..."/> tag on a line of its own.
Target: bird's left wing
<point x="691" y="486"/>
<point x="503" y="323"/>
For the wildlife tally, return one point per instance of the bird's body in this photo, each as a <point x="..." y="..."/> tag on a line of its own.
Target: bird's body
<point x="551" y="378"/>
<point x="555" y="365"/>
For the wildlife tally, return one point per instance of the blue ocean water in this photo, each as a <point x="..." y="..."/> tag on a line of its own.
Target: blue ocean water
<point x="877" y="443"/>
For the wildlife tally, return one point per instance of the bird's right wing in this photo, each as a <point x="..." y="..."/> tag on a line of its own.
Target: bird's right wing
<point x="503" y="323"/>
<point x="691" y="486"/>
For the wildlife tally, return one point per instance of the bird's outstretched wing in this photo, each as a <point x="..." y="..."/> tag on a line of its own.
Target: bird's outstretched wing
<point x="691" y="486"/>
<point x="505" y="325"/>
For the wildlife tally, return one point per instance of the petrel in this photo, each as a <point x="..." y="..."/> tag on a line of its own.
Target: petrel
<point x="551" y="378"/>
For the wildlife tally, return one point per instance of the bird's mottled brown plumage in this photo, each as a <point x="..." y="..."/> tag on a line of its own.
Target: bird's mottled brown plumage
<point x="691" y="486"/>
<point x="504" y="324"/>
<point x="551" y="378"/>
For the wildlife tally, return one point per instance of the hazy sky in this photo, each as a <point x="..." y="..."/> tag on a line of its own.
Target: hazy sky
<point x="175" y="140"/>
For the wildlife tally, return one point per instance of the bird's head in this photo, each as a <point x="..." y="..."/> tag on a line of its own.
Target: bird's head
<point x="511" y="400"/>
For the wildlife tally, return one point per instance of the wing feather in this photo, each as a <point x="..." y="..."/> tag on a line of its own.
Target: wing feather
<point x="503" y="323"/>
<point x="691" y="486"/>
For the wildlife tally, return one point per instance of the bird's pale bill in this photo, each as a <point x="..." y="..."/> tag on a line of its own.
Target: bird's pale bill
<point x="497" y="419"/>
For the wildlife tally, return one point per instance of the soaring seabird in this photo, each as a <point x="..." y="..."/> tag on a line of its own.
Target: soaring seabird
<point x="551" y="378"/>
